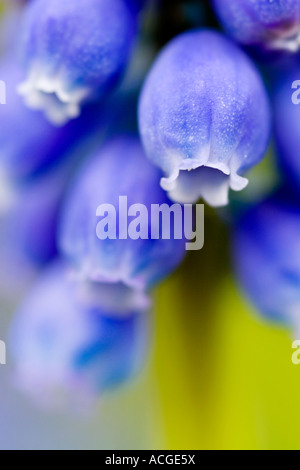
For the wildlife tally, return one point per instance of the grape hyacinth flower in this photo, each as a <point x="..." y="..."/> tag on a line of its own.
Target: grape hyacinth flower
<point x="29" y="144"/>
<point x="273" y="24"/>
<point x="266" y="247"/>
<point x="118" y="169"/>
<point x="74" y="52"/>
<point x="70" y="348"/>
<point x="204" y="117"/>
<point x="28" y="225"/>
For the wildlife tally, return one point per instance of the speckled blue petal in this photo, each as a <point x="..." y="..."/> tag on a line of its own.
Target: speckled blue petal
<point x="29" y="144"/>
<point x="266" y="248"/>
<point x="204" y="117"/>
<point x="73" y="52"/>
<point x="67" y="350"/>
<point x="274" y="24"/>
<point x="120" y="168"/>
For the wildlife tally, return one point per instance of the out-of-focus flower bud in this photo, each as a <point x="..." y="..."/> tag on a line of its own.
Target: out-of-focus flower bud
<point x="273" y="24"/>
<point x="266" y="247"/>
<point x="118" y="169"/>
<point x="137" y="5"/>
<point x="29" y="144"/>
<point x="67" y="349"/>
<point x="73" y="52"/>
<point x="286" y="105"/>
<point x="28" y="225"/>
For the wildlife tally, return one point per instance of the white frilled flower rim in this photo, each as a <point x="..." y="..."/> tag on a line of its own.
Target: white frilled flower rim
<point x="190" y="180"/>
<point x="51" y="95"/>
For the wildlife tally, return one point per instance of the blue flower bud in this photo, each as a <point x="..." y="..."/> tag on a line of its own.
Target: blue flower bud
<point x="73" y="52"/>
<point x="119" y="169"/>
<point x="28" y="142"/>
<point x="66" y="347"/>
<point x="10" y="21"/>
<point x="274" y="24"/>
<point x="266" y="249"/>
<point x="204" y="108"/>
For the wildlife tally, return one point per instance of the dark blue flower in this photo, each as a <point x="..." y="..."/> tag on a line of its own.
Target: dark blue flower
<point x="28" y="142"/>
<point x="28" y="225"/>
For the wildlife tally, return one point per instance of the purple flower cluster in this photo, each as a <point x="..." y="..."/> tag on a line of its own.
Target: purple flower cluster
<point x="91" y="115"/>
<point x="270" y="24"/>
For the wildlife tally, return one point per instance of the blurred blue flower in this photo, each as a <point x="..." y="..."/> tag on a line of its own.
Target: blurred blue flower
<point x="286" y="105"/>
<point x="119" y="168"/>
<point x="266" y="247"/>
<point x="274" y="24"/>
<point x="33" y="216"/>
<point x="204" y="108"/>
<point x="68" y="349"/>
<point x="137" y="5"/>
<point x="28" y="225"/>
<point x="73" y="52"/>
<point x="29" y="144"/>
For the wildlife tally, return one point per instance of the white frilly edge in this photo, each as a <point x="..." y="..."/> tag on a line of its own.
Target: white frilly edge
<point x="49" y="94"/>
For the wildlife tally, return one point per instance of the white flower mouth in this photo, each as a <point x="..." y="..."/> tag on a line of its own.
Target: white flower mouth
<point x="284" y="42"/>
<point x="191" y="182"/>
<point x="117" y="298"/>
<point x="50" y="94"/>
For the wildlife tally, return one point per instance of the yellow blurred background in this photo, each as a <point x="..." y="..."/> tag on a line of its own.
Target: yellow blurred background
<point x="224" y="377"/>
